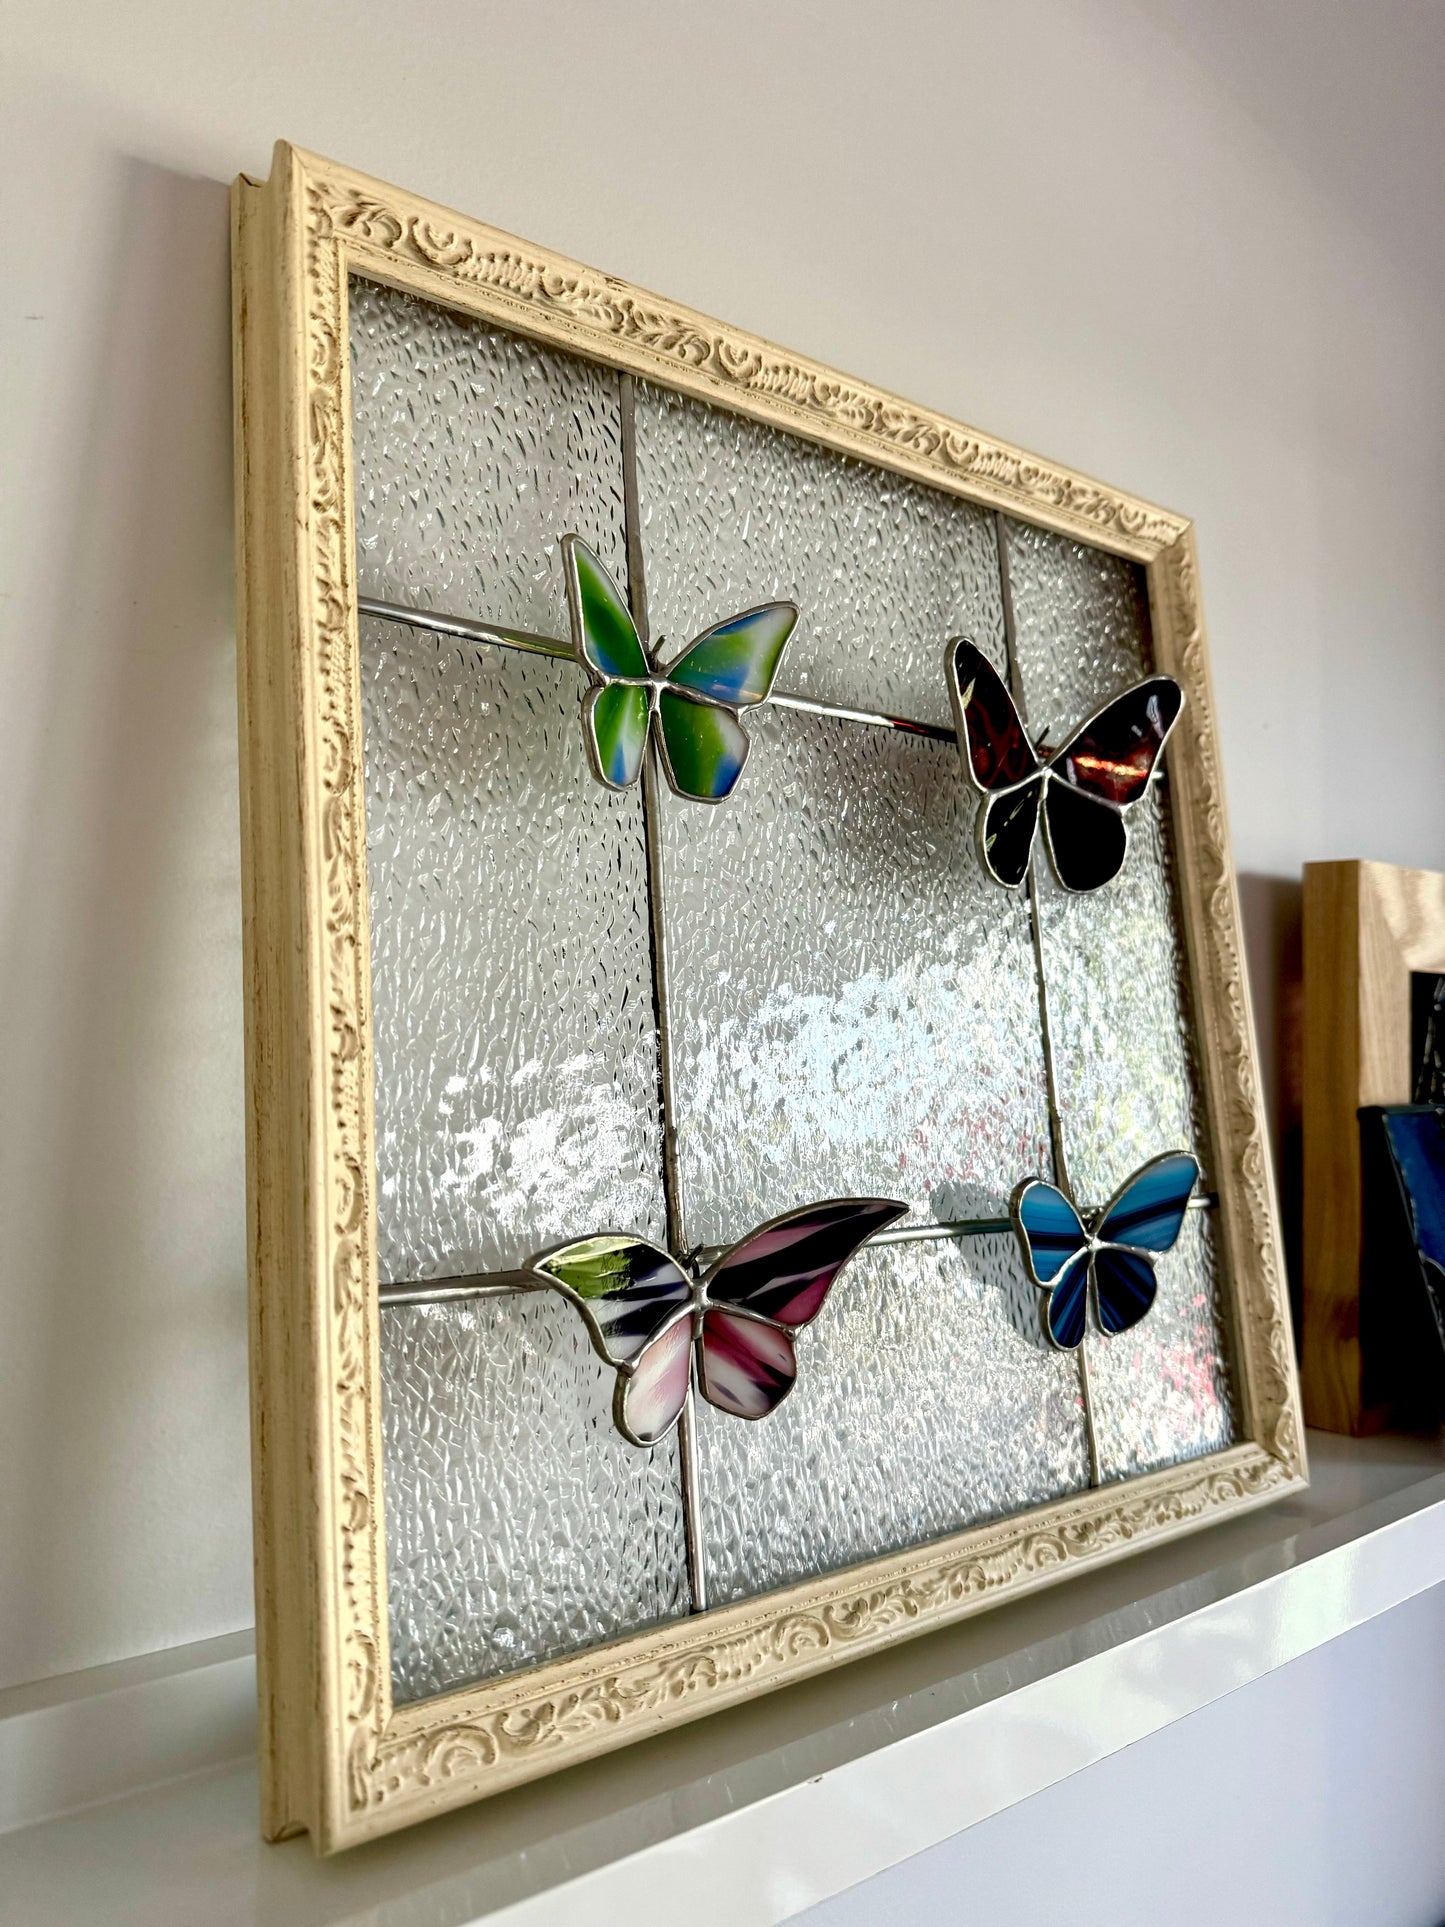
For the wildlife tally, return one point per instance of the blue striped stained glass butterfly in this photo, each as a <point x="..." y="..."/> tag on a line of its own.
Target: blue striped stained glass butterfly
<point x="1083" y="791"/>
<point x="1110" y="1255"/>
<point x="691" y="705"/>
<point x="649" y="1320"/>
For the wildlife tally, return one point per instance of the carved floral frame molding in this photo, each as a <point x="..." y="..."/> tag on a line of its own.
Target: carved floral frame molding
<point x="338" y="1760"/>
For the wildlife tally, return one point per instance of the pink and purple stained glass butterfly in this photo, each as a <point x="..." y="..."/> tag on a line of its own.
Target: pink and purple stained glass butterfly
<point x="1084" y="791"/>
<point x="649" y="1320"/>
<point x="691" y="706"/>
<point x="1111" y="1255"/>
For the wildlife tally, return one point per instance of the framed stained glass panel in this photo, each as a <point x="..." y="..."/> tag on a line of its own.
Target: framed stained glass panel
<point x="755" y="1139"/>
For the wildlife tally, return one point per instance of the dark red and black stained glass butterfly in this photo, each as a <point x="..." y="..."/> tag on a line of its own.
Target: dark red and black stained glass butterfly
<point x="647" y="1317"/>
<point x="1084" y="791"/>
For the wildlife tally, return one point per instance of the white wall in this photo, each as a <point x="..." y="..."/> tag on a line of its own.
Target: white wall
<point x="1195" y="248"/>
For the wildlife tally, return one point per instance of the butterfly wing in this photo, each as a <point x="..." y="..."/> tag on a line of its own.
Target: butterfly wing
<point x="603" y="632"/>
<point x="1065" y="1308"/>
<point x="1087" y="839"/>
<point x="784" y="1270"/>
<point x="704" y="746"/>
<point x="766" y="1288"/>
<point x="999" y="759"/>
<point x="735" y="662"/>
<point x="1099" y="773"/>
<point x="1113" y="755"/>
<point x="649" y="1399"/>
<point x="1006" y="826"/>
<point x="1143" y="1217"/>
<point x="614" y="727"/>
<point x="746" y="1365"/>
<point x="1147" y="1210"/>
<point x="996" y="752"/>
<point x="1055" y="1247"/>
<point x="1124" y="1288"/>
<point x="625" y="1288"/>
<point x="1050" y="1231"/>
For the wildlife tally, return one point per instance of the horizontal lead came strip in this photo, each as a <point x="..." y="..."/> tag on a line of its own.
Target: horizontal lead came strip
<point x="950" y="1231"/>
<point x="449" y="1291"/>
<point x="501" y="1284"/>
<point x="935" y="732"/>
<point x="463" y="627"/>
<point x="468" y="631"/>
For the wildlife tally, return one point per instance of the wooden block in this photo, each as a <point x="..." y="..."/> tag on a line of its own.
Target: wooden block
<point x="1367" y="926"/>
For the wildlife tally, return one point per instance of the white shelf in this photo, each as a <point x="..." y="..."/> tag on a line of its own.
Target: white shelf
<point x="753" y="1815"/>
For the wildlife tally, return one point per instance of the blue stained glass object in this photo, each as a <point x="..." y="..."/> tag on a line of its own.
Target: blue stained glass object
<point x="1067" y="1304"/>
<point x="1124" y="1288"/>
<point x="1114" y="1251"/>
<point x="1416" y="1137"/>
<point x="1150" y="1208"/>
<point x="1402" y="1274"/>
<point x="1052" y="1228"/>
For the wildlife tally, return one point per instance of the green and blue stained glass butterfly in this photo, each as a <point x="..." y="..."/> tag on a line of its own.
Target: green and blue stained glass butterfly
<point x="733" y="1327"/>
<point x="1110" y="1255"/>
<point x="690" y="706"/>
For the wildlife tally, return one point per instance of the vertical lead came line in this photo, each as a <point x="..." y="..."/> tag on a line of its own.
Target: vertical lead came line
<point x="657" y="934"/>
<point x="1056" y="1124"/>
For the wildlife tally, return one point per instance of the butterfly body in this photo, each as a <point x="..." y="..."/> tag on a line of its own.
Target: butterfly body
<point x="732" y="1326"/>
<point x="1107" y="1256"/>
<point x="689" y="707"/>
<point x="1083" y="791"/>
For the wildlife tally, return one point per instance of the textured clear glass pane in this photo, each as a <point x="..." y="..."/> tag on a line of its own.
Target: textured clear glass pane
<point x="854" y="1009"/>
<point x="515" y="1049"/>
<point x="1081" y="621"/>
<point x="1120" y="1014"/>
<point x="927" y="1400"/>
<point x="882" y="569"/>
<point x="520" y="1525"/>
<point x="1163" y="1391"/>
<point x="515" y="1054"/>
<point x="475" y="451"/>
<point x="511" y="981"/>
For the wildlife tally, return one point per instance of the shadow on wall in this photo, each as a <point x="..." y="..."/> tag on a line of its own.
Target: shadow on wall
<point x="127" y="1469"/>
<point x="1272" y="908"/>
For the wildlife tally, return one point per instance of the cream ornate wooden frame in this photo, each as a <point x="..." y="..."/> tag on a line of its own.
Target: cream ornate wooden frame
<point x="337" y="1759"/>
